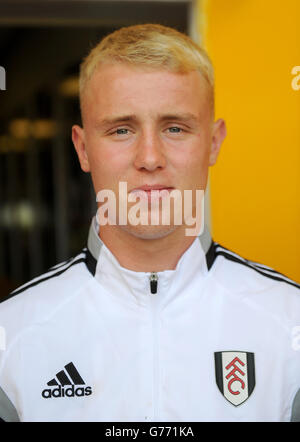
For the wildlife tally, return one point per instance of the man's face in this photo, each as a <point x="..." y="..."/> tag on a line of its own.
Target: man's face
<point x="147" y="128"/>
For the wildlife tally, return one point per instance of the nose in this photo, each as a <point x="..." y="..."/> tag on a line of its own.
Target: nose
<point x="149" y="154"/>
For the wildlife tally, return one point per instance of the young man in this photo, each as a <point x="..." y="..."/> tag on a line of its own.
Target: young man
<point x="150" y="322"/>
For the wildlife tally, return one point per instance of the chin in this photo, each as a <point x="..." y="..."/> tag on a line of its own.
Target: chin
<point x="149" y="232"/>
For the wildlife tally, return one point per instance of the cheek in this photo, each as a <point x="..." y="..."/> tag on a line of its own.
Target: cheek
<point x="107" y="167"/>
<point x="192" y="165"/>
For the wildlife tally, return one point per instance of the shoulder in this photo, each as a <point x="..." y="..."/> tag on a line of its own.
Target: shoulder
<point x="249" y="272"/>
<point x="254" y="282"/>
<point x="37" y="298"/>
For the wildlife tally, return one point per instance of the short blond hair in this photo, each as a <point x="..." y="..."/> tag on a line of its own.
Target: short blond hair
<point x="148" y="45"/>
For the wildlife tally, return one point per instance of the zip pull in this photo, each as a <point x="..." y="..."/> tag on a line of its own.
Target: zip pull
<point x="153" y="282"/>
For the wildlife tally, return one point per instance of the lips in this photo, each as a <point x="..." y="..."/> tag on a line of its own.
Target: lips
<point x="149" y="188"/>
<point x="152" y="192"/>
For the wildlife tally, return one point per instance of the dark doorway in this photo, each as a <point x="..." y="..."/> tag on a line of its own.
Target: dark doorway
<point x="46" y="201"/>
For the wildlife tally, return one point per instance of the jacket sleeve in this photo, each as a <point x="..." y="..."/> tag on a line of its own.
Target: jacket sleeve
<point x="295" y="417"/>
<point x="8" y="413"/>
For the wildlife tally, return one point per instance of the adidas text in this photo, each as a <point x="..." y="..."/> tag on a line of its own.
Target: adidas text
<point x="66" y="392"/>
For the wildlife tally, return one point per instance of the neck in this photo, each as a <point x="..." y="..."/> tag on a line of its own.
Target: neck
<point x="146" y="255"/>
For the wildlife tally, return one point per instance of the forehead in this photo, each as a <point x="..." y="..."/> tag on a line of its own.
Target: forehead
<point x="122" y="88"/>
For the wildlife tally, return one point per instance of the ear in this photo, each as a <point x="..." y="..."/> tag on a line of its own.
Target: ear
<point x="218" y="136"/>
<point x="80" y="147"/>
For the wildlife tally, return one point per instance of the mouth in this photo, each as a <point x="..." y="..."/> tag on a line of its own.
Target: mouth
<point x="149" y="188"/>
<point x="152" y="191"/>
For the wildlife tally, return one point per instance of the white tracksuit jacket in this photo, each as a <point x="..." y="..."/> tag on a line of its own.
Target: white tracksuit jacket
<point x="217" y="340"/>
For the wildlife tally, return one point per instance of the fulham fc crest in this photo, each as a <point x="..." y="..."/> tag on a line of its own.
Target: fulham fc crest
<point x="235" y="375"/>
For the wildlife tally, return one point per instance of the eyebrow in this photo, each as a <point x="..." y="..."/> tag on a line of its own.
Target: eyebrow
<point x="184" y="117"/>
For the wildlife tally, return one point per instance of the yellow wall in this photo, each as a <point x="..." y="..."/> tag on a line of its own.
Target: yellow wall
<point x="255" y="185"/>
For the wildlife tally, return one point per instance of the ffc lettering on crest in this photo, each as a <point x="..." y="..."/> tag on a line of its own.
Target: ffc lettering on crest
<point x="235" y="375"/>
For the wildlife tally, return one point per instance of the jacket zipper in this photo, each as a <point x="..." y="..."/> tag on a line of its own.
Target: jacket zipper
<point x="155" y="343"/>
<point x="153" y="282"/>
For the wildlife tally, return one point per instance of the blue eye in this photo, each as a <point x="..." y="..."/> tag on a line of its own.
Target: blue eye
<point x="122" y="131"/>
<point x="175" y="129"/>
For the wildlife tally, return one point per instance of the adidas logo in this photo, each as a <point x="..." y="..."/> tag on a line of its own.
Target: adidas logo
<point x="69" y="376"/>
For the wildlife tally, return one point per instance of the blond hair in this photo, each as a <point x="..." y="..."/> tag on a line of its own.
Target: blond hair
<point x="148" y="45"/>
